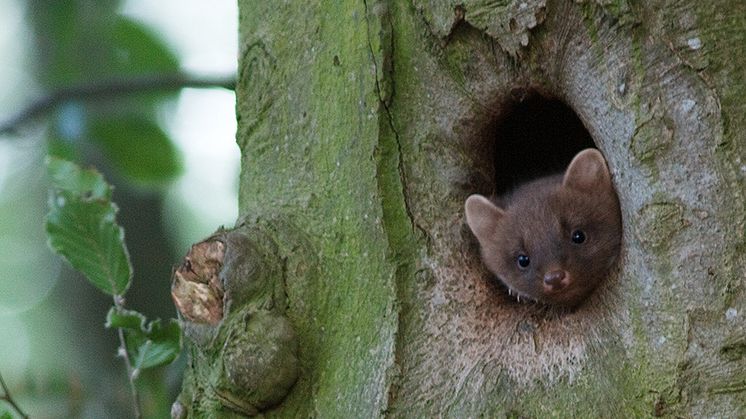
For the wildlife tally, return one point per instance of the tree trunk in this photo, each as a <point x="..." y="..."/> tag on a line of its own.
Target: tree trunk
<point x="365" y="125"/>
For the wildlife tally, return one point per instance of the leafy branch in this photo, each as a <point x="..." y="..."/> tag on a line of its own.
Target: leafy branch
<point x="109" y="88"/>
<point x="81" y="225"/>
<point x="9" y="399"/>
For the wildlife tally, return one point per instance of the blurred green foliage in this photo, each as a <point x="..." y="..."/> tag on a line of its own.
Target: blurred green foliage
<point x="79" y="43"/>
<point x="137" y="147"/>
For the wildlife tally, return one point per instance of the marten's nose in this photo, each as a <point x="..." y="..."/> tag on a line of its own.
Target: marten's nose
<point x="554" y="280"/>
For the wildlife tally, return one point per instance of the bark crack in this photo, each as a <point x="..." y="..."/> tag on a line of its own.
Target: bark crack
<point x="385" y="97"/>
<point x="392" y="183"/>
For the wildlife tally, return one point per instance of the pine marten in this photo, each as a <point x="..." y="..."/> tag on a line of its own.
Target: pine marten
<point x="554" y="239"/>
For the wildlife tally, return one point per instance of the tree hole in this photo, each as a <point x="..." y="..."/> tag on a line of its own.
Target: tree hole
<point x="536" y="136"/>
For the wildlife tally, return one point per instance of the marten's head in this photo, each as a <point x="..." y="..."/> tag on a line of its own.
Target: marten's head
<point x="556" y="238"/>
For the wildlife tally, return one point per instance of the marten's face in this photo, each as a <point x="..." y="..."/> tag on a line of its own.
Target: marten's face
<point x="555" y="248"/>
<point x="557" y="238"/>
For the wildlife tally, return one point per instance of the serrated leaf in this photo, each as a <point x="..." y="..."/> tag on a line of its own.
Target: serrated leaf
<point x="69" y="177"/>
<point x="149" y="344"/>
<point x="160" y="346"/>
<point x="128" y="319"/>
<point x="138" y="148"/>
<point x="81" y="227"/>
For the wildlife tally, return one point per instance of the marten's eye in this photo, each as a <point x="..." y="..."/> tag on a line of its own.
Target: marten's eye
<point x="523" y="261"/>
<point x="578" y="237"/>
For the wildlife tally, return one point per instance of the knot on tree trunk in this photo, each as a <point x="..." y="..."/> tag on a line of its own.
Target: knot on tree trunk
<point x="229" y="291"/>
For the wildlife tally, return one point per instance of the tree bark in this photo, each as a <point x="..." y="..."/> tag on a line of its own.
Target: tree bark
<point x="365" y="125"/>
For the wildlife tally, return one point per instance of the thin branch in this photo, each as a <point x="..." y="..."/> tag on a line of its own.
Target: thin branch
<point x="131" y="373"/>
<point x="109" y="88"/>
<point x="7" y="397"/>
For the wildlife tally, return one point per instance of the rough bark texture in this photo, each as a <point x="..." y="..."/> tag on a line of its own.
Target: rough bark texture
<point x="365" y="125"/>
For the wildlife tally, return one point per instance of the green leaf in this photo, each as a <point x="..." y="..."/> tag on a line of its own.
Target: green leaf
<point x="81" y="227"/>
<point x="127" y="319"/>
<point x="149" y="344"/>
<point x="5" y="414"/>
<point x="138" y="50"/>
<point x="138" y="148"/>
<point x="83" y="41"/>
<point x="69" y="177"/>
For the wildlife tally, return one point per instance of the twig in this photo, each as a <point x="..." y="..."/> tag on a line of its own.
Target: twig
<point x="7" y="397"/>
<point x="109" y="88"/>
<point x="131" y="374"/>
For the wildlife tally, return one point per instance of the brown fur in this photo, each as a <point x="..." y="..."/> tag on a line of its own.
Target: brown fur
<point x="538" y="220"/>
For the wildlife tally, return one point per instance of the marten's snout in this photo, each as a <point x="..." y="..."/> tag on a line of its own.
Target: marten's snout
<point x="555" y="280"/>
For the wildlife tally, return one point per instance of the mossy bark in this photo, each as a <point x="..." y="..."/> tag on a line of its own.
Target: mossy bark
<point x="365" y="125"/>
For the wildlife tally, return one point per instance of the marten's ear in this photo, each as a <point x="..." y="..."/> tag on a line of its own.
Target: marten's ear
<point x="587" y="171"/>
<point x="482" y="216"/>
